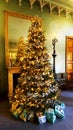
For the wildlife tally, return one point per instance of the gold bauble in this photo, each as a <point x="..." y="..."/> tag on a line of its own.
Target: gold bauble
<point x="42" y="106"/>
<point x="32" y="62"/>
<point x="38" y="89"/>
<point x="40" y="29"/>
<point x="32" y="89"/>
<point x="34" y="40"/>
<point x="32" y="83"/>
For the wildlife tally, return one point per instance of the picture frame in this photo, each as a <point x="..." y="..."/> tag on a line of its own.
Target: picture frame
<point x="16" y="26"/>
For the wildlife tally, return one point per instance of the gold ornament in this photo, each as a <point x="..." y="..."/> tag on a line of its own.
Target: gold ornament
<point x="42" y="106"/>
<point x="32" y="62"/>
<point x="40" y="29"/>
<point x="32" y="89"/>
<point x="38" y="88"/>
<point x="34" y="40"/>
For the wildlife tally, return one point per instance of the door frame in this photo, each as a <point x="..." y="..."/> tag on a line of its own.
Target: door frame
<point x="67" y="37"/>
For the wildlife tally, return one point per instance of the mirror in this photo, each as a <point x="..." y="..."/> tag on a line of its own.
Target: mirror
<point x="16" y="26"/>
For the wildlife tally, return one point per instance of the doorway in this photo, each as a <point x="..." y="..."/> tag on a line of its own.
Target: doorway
<point x="69" y="57"/>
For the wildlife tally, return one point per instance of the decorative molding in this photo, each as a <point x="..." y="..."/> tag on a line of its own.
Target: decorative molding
<point x="42" y="4"/>
<point x="60" y="9"/>
<point x="31" y="3"/>
<point x="67" y="12"/>
<point x="51" y="6"/>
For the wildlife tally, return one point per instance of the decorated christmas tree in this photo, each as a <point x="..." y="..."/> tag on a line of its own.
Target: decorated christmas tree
<point x="37" y="92"/>
<point x="21" y="51"/>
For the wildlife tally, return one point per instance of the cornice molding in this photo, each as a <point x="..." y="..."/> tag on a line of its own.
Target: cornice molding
<point x="51" y="6"/>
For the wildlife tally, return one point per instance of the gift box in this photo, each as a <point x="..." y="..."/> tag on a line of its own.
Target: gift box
<point x="23" y="115"/>
<point x="58" y="102"/>
<point x="49" y="112"/>
<point x="51" y="120"/>
<point x="62" y="105"/>
<point x="59" y="111"/>
<point x="50" y="115"/>
<point x="30" y="116"/>
<point x="17" y="112"/>
<point x="41" y="118"/>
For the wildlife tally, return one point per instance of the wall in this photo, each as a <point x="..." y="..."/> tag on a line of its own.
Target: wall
<point x="53" y="25"/>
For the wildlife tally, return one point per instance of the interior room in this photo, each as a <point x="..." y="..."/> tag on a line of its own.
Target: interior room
<point x="38" y="76"/>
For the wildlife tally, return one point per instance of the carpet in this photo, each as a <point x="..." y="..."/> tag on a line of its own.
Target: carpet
<point x="7" y="120"/>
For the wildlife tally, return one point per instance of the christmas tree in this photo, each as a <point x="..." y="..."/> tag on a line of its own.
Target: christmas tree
<point x="21" y="51"/>
<point x="37" y="90"/>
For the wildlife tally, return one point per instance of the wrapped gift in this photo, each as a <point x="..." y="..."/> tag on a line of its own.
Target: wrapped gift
<point x="51" y="120"/>
<point x="59" y="111"/>
<point x="50" y="115"/>
<point x="41" y="118"/>
<point x="23" y="115"/>
<point x="62" y="104"/>
<point x="49" y="112"/>
<point x="14" y="105"/>
<point x="17" y="112"/>
<point x="30" y="116"/>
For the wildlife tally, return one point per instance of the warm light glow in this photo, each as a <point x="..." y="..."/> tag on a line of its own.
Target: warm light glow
<point x="7" y="1"/>
<point x="10" y="55"/>
<point x="20" y="2"/>
<point x="13" y="55"/>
